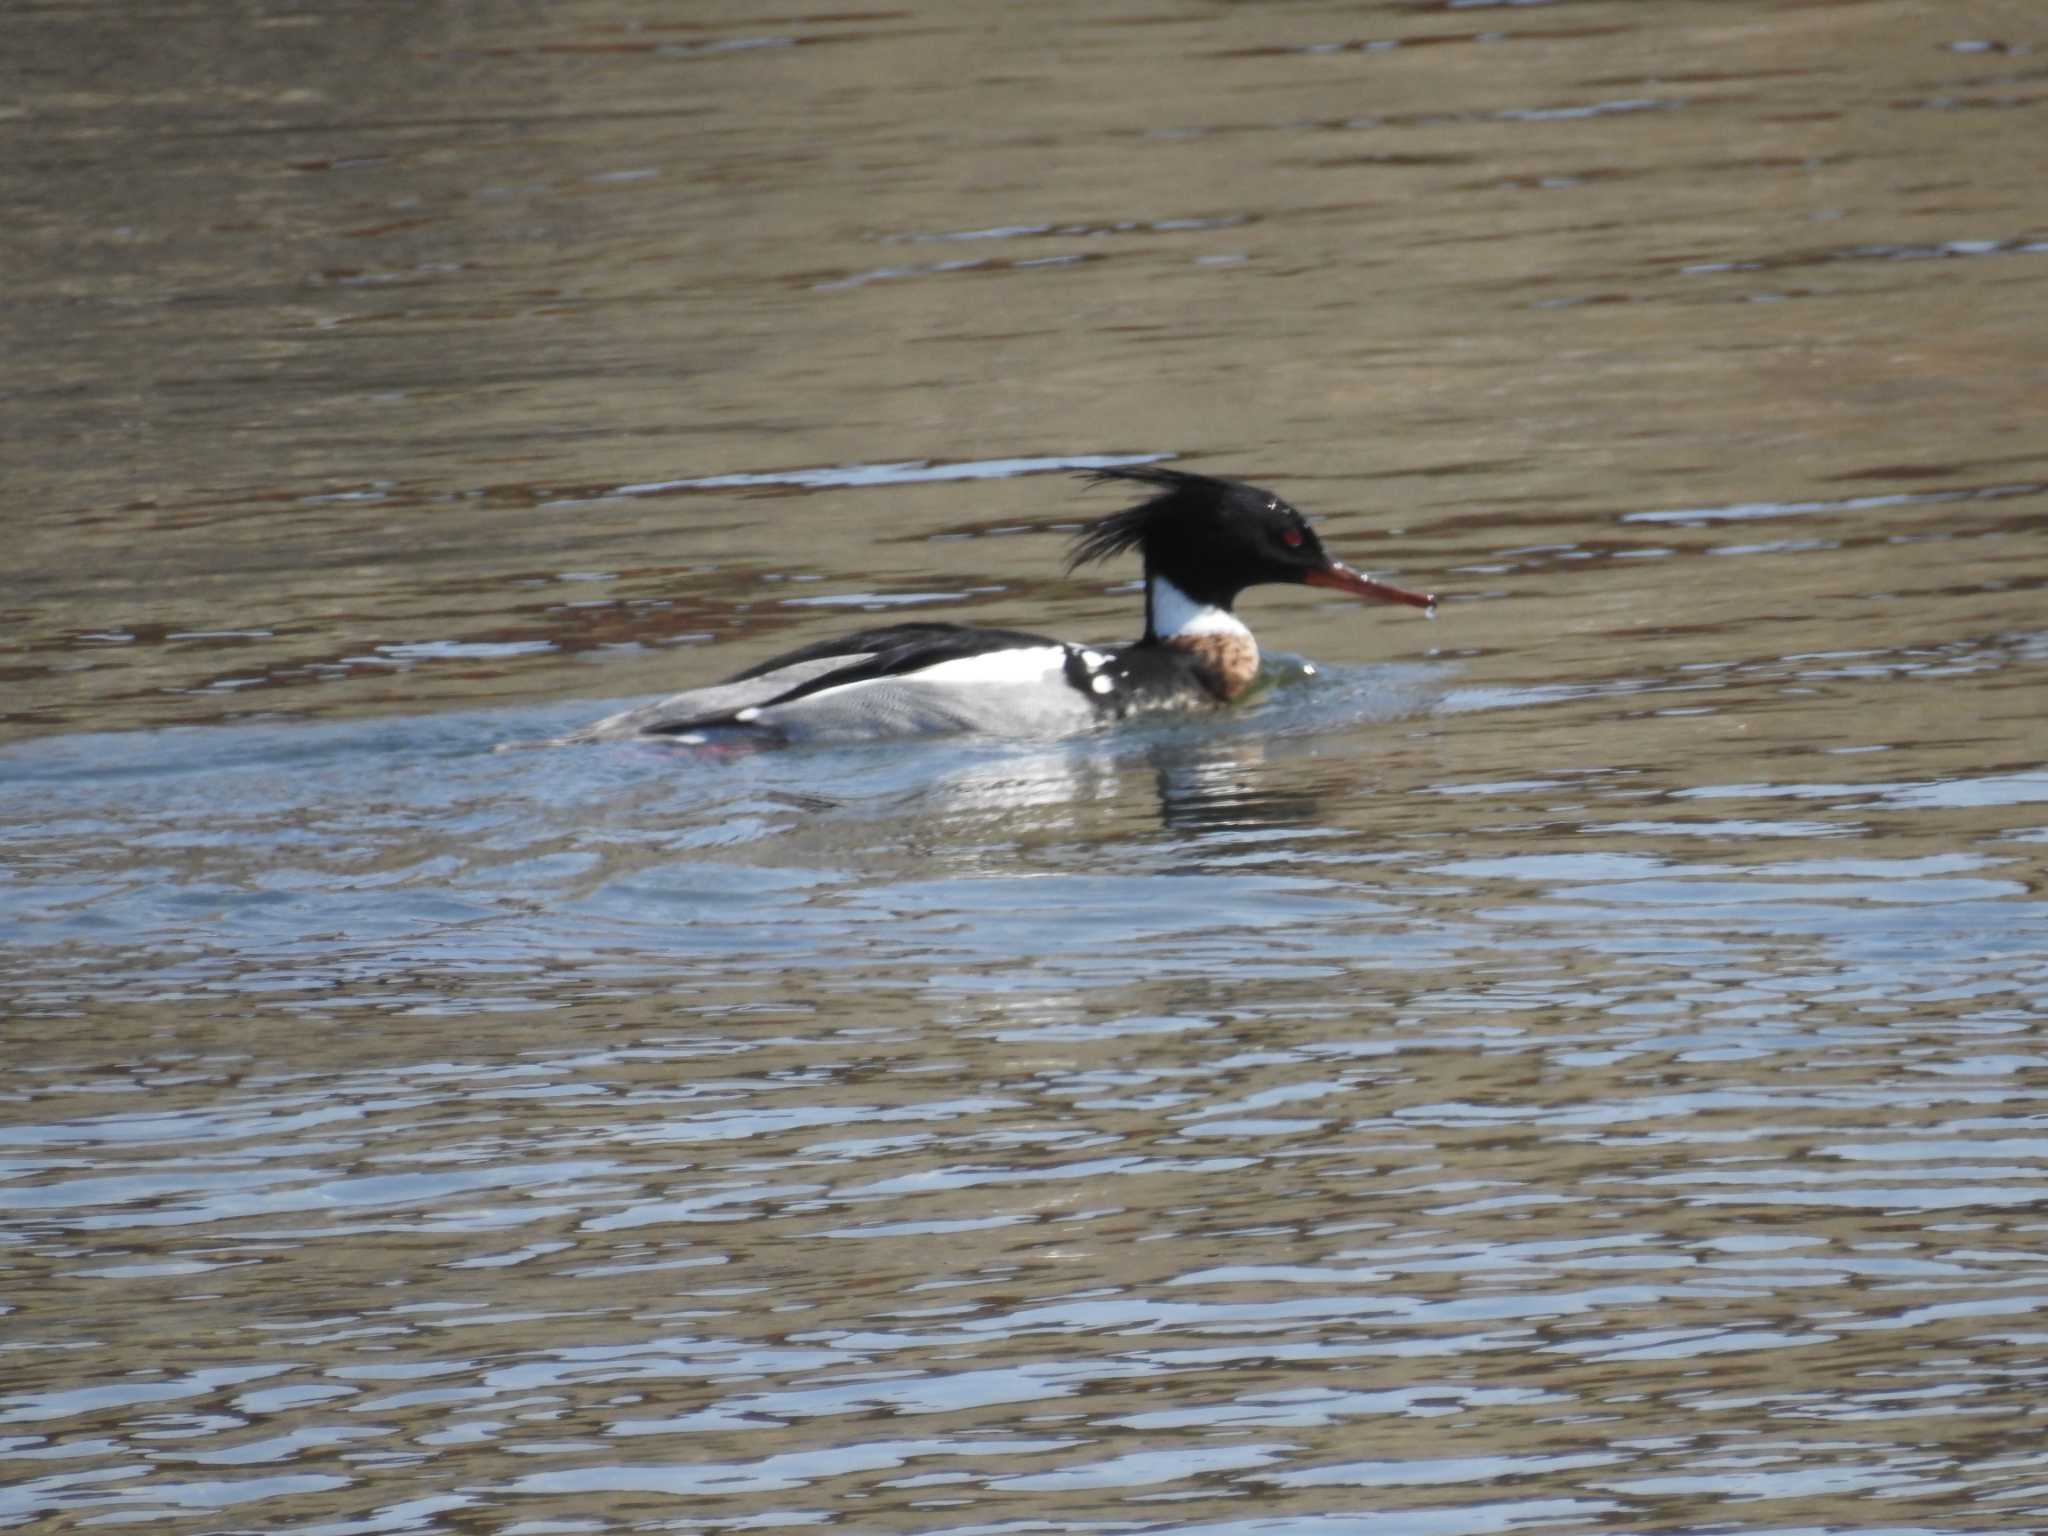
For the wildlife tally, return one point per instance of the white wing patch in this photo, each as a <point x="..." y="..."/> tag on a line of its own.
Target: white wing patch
<point x="1019" y="664"/>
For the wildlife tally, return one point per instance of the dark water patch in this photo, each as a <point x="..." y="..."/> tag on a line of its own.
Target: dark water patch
<point x="1949" y="101"/>
<point x="1553" y="180"/>
<point x="1707" y="77"/>
<point x="1176" y="225"/>
<point x="842" y="281"/>
<point x="1414" y="40"/>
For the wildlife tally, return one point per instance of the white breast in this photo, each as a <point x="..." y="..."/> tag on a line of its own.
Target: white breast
<point x="1174" y="614"/>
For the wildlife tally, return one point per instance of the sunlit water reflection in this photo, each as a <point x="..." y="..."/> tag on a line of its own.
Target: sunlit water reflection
<point x="1016" y="1127"/>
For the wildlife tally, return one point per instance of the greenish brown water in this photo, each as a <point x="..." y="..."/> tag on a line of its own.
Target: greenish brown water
<point x="1573" y="1066"/>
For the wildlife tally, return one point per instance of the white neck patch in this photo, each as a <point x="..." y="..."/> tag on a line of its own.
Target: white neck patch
<point x="1174" y="614"/>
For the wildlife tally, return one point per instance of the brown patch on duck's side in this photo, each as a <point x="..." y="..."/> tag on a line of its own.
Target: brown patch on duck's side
<point x="1226" y="663"/>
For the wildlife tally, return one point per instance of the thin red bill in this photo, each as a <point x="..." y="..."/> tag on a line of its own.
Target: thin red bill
<point x="1339" y="577"/>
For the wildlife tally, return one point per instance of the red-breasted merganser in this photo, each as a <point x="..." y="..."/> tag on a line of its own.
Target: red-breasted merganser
<point x="1203" y="542"/>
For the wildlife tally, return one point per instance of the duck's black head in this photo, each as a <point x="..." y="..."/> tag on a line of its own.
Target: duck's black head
<point x="1213" y="538"/>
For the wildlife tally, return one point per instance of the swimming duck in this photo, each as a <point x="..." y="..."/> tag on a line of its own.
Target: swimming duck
<point x="1203" y="541"/>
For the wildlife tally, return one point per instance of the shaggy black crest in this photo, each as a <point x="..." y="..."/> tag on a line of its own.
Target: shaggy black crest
<point x="1183" y="495"/>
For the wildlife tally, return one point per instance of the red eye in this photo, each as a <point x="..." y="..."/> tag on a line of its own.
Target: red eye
<point x="1291" y="538"/>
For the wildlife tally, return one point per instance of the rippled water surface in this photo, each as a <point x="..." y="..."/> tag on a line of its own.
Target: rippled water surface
<point x="1575" y="1066"/>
